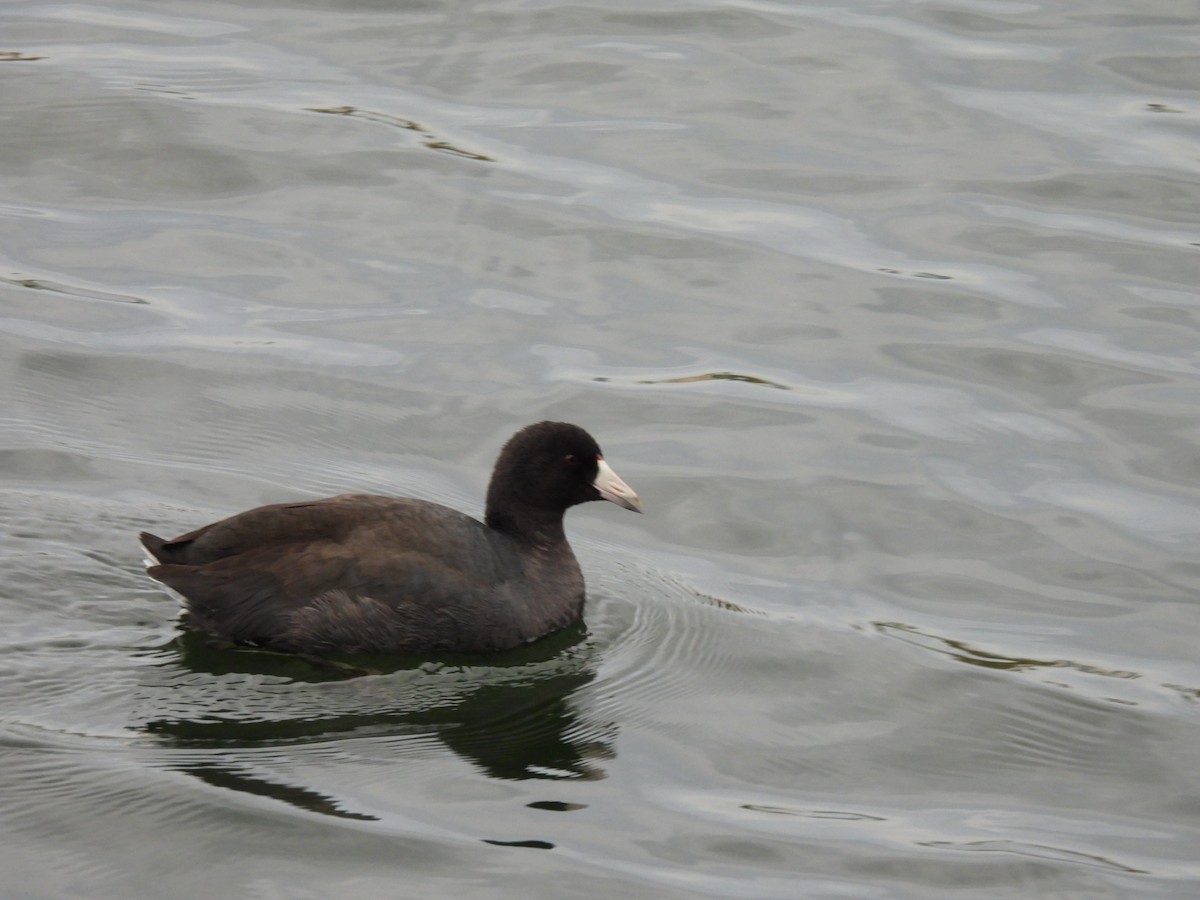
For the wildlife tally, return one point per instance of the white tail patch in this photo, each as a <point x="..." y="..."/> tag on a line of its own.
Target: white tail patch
<point x="151" y="561"/>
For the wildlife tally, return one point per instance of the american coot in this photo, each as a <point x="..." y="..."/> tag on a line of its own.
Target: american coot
<point x="361" y="573"/>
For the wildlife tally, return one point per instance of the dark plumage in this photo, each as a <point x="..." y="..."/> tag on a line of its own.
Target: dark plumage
<point x="361" y="573"/>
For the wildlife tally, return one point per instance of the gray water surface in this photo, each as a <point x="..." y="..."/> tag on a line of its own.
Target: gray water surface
<point x="888" y="310"/>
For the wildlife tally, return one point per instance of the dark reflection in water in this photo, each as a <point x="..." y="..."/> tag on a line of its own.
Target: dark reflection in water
<point x="232" y="777"/>
<point x="514" y="721"/>
<point x="964" y="652"/>
<point x="1038" y="851"/>
<point x="431" y="141"/>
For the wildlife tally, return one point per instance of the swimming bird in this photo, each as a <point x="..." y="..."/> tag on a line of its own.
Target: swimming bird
<point x="361" y="573"/>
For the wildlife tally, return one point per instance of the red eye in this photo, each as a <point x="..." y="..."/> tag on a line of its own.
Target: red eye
<point x="571" y="460"/>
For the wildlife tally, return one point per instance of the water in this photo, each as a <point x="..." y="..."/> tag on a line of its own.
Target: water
<point x="887" y="310"/>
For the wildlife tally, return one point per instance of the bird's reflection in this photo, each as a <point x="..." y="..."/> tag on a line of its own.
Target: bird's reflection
<point x="515" y="720"/>
<point x="235" y="778"/>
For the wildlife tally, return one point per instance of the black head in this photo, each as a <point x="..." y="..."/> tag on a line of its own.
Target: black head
<point x="546" y="468"/>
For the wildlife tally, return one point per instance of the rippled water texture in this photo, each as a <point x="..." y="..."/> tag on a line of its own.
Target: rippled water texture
<point x="888" y="311"/>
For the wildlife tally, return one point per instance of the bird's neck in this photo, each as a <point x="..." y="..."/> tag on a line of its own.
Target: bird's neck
<point x="531" y="526"/>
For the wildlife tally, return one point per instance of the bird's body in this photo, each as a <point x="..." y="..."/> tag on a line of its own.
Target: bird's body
<point x="361" y="573"/>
